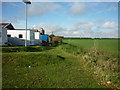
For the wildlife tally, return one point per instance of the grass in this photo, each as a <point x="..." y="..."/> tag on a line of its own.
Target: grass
<point x="49" y="69"/>
<point x="25" y="49"/>
<point x="104" y="63"/>
<point x="108" y="45"/>
<point x="64" y="66"/>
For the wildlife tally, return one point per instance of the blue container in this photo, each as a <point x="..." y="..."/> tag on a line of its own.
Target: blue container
<point x="44" y="38"/>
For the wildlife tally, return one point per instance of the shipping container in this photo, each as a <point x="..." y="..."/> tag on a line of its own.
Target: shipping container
<point x="44" y="40"/>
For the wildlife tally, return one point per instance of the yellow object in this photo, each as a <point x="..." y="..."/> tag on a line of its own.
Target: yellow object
<point x="55" y="39"/>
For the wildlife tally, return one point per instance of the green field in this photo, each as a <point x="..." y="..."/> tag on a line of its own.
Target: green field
<point x="109" y="45"/>
<point x="74" y="64"/>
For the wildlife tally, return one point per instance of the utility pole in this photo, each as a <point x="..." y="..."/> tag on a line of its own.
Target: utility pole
<point x="26" y="2"/>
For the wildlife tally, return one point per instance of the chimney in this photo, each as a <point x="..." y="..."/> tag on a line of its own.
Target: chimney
<point x="42" y="32"/>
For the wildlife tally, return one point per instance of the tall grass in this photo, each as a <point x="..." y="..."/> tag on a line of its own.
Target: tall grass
<point x="103" y="64"/>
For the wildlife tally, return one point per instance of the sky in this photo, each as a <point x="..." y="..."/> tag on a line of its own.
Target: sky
<point x="68" y="19"/>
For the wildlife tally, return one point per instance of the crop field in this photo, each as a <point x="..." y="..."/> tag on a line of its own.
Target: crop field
<point x="108" y="45"/>
<point x="77" y="63"/>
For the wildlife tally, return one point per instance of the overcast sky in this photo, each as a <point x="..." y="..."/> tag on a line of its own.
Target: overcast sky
<point x="69" y="19"/>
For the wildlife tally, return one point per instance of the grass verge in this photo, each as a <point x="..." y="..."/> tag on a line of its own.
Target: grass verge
<point x="103" y="64"/>
<point x="49" y="69"/>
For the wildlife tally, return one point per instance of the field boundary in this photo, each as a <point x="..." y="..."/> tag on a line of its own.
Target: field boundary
<point x="86" y="58"/>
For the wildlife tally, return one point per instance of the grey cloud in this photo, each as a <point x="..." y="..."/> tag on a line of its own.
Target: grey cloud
<point x="65" y="31"/>
<point x="39" y="9"/>
<point x="49" y="28"/>
<point x="10" y="20"/>
<point x="78" y="9"/>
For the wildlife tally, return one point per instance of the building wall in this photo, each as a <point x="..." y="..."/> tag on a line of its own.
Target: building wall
<point x="16" y="40"/>
<point x="32" y="38"/>
<point x="3" y="36"/>
<point x="37" y="38"/>
<point x="15" y="33"/>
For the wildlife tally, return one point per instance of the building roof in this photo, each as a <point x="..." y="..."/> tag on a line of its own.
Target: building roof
<point x="7" y="25"/>
<point x="52" y="35"/>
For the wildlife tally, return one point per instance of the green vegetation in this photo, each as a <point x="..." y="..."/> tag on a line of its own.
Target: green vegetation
<point x="49" y="69"/>
<point x="25" y="49"/>
<point x="70" y="65"/>
<point x="101" y="55"/>
<point x="102" y="64"/>
<point x="84" y="43"/>
<point x="109" y="45"/>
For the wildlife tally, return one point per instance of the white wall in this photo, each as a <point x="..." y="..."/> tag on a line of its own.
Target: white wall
<point x="15" y="33"/>
<point x="15" y="40"/>
<point x="3" y="36"/>
<point x="37" y="38"/>
<point x="37" y="35"/>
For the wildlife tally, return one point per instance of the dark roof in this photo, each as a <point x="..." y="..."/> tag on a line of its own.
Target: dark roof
<point x="7" y="25"/>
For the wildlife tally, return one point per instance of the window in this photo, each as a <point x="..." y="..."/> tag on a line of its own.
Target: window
<point x="32" y="36"/>
<point x="20" y="36"/>
<point x="8" y="35"/>
<point x="0" y="34"/>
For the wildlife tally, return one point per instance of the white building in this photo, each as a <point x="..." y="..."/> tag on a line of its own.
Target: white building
<point x="17" y="37"/>
<point x="3" y="33"/>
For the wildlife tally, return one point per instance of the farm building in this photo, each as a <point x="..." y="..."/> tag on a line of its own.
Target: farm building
<point x="3" y="33"/>
<point x="17" y="37"/>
